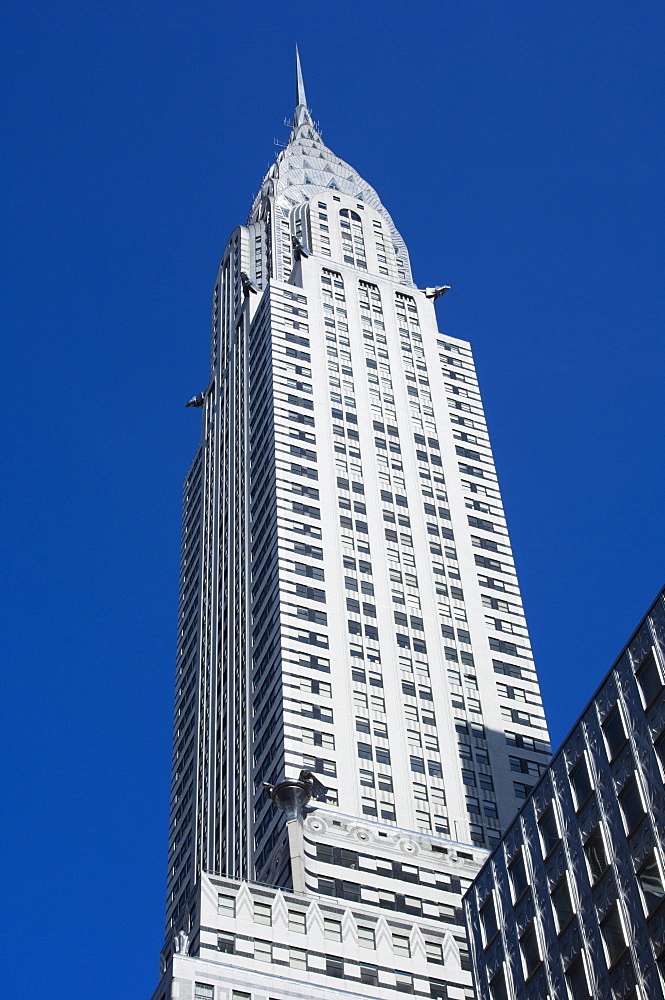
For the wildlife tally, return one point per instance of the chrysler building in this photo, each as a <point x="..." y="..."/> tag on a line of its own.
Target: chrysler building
<point x="357" y="714"/>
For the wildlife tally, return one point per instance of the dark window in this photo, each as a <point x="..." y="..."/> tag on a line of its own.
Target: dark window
<point x="369" y="974"/>
<point x="305" y="511"/>
<point x="325" y="852"/>
<point x="299" y="401"/>
<point x="549" y="832"/>
<point x="310" y="592"/>
<point x="382" y="756"/>
<point x="308" y="550"/>
<point x="312" y="615"/>
<point x="649" y="679"/>
<point x="581" y="783"/>
<point x="518" y="876"/>
<point x="631" y="804"/>
<point x="334" y="966"/>
<point x="226" y="943"/>
<point x="660" y="748"/>
<point x="477" y="522"/>
<point x="501" y="646"/>
<point x="576" y="979"/>
<point x="309" y="473"/>
<point x="510" y="669"/>
<point x="489" y="921"/>
<point x="594" y="850"/>
<point x="404" y="982"/>
<point x="562" y="904"/>
<point x="615" y="734"/>
<point x="498" y="988"/>
<point x="651" y="882"/>
<point x="326" y="886"/>
<point x="349" y="890"/>
<point x="418" y="765"/>
<point x="613" y="935"/>
<point x="529" y="948"/>
<point x="438" y="990"/>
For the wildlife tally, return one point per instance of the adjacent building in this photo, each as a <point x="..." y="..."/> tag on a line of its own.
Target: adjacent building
<point x="570" y="904"/>
<point x="357" y="714"/>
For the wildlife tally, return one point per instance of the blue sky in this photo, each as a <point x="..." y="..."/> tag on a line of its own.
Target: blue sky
<point x="519" y="149"/>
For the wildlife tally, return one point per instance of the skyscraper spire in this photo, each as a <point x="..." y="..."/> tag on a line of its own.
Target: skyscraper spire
<point x="300" y="86"/>
<point x="301" y="115"/>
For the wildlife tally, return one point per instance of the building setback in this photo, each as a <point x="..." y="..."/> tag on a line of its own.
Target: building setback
<point x="570" y="904"/>
<point x="357" y="714"/>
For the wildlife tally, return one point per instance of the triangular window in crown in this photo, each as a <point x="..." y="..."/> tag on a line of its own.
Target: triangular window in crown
<point x="333" y="186"/>
<point x="307" y="179"/>
<point x="305" y="163"/>
<point x="328" y="169"/>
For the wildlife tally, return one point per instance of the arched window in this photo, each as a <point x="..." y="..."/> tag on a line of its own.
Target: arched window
<point x="353" y="243"/>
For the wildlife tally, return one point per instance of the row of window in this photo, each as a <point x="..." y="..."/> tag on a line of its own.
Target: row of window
<point x="649" y="872"/>
<point x="367" y="608"/>
<point x="367" y="974"/>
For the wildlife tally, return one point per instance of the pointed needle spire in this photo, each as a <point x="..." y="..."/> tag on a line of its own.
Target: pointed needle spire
<point x="301" y="115"/>
<point x="301" y="99"/>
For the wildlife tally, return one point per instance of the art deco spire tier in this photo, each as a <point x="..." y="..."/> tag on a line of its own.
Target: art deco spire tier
<point x="306" y="168"/>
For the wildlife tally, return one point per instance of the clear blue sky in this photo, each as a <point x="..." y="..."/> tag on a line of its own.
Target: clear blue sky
<point x="518" y="147"/>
